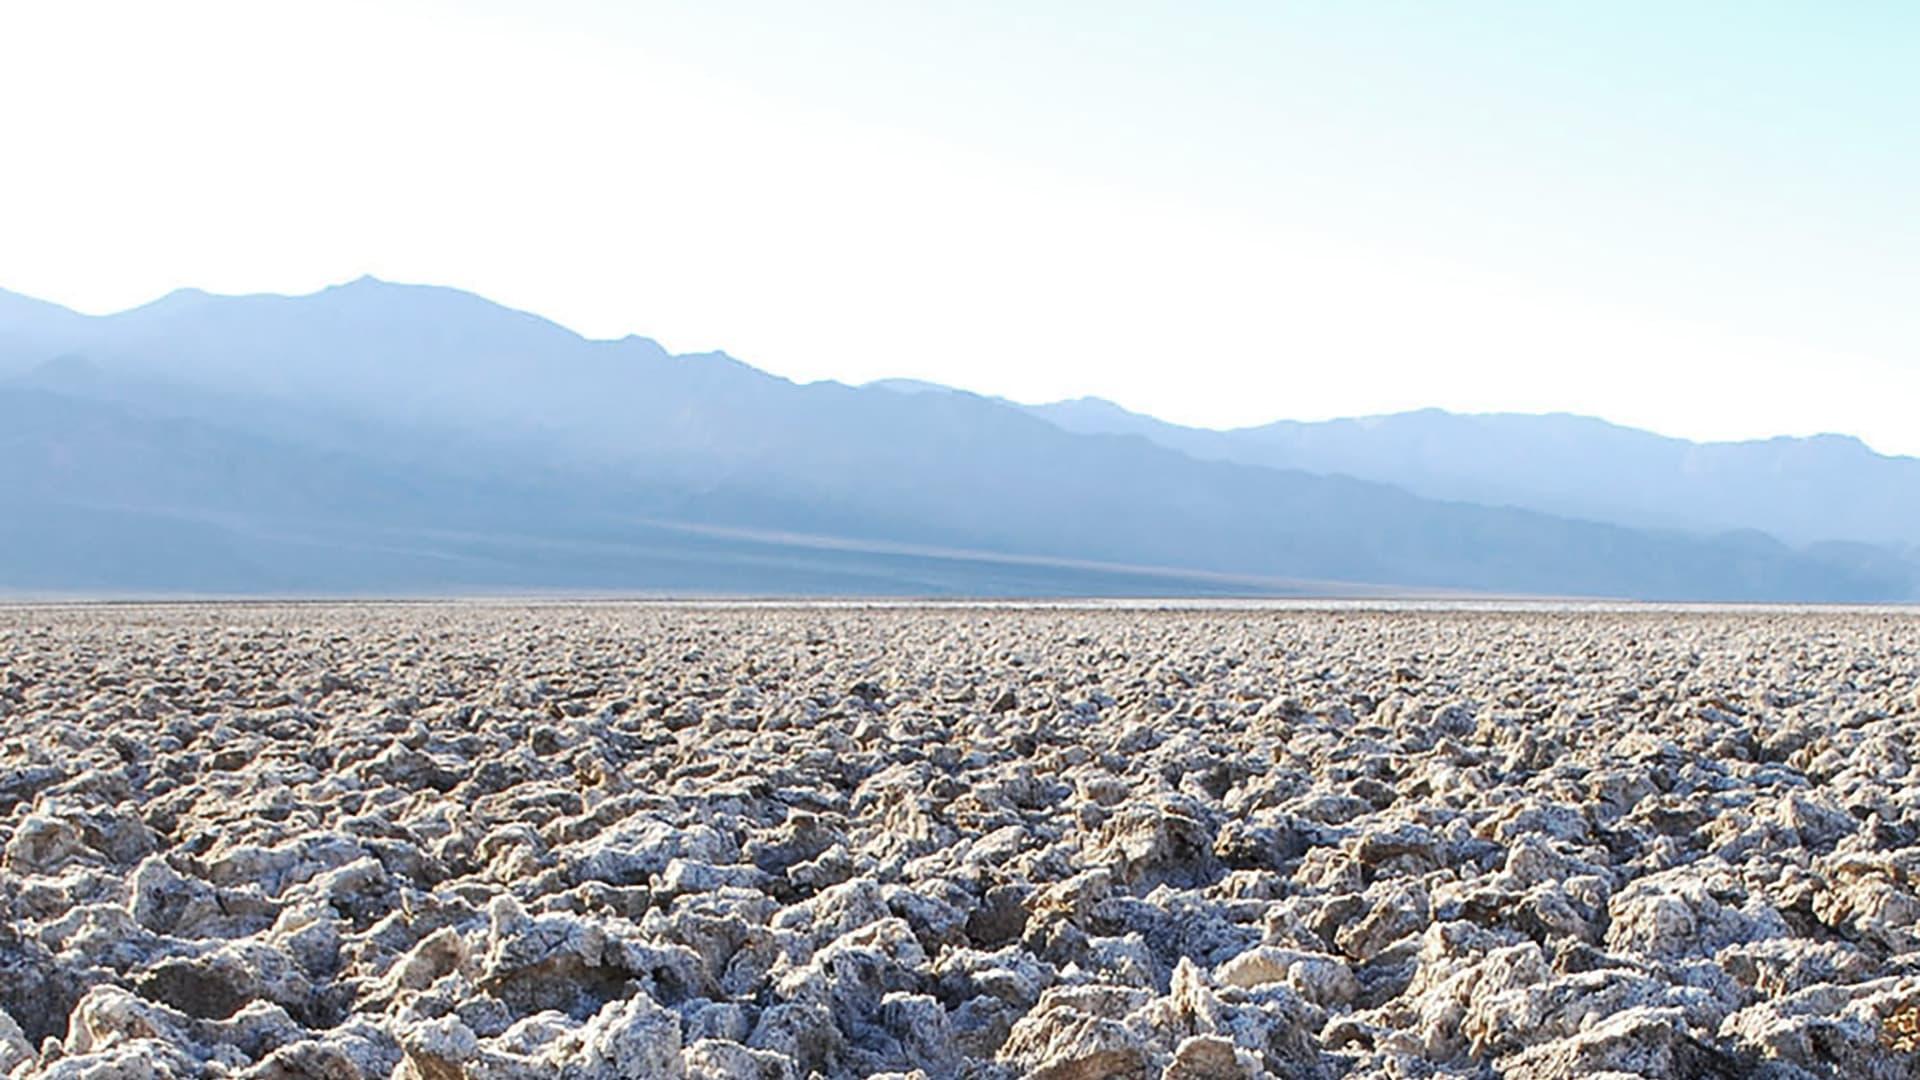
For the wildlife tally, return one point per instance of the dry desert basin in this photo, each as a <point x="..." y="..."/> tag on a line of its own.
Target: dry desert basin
<point x="431" y="841"/>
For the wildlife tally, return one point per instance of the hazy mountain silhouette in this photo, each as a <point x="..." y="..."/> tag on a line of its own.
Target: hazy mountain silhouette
<point x="1823" y="488"/>
<point x="384" y="438"/>
<point x="32" y="331"/>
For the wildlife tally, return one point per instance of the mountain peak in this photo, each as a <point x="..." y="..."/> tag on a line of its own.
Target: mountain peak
<point x="368" y="285"/>
<point x="186" y="297"/>
<point x="365" y="282"/>
<point x="1089" y="406"/>
<point x="1834" y="443"/>
<point x="907" y="386"/>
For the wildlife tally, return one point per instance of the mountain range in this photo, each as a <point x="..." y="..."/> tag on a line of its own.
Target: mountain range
<point x="375" y="438"/>
<point x="1803" y="490"/>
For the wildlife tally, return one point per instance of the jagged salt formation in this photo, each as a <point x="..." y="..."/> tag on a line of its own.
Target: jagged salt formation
<point x="430" y="842"/>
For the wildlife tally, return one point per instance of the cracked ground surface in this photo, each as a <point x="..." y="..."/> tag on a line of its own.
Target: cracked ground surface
<point x="487" y="840"/>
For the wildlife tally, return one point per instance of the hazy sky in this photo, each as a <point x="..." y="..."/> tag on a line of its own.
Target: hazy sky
<point x="1698" y="217"/>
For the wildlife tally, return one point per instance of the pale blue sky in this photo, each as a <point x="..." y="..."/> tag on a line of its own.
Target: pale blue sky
<point x="1702" y="218"/>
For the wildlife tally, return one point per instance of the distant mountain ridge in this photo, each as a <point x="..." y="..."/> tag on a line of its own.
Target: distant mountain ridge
<point x="1804" y="490"/>
<point x="381" y="438"/>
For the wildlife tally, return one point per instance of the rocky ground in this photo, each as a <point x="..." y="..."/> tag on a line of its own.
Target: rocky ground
<point x="641" y="841"/>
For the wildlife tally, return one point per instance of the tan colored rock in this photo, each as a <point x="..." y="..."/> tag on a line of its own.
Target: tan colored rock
<point x="1212" y="1057"/>
<point x="1321" y="978"/>
<point x="1064" y="1043"/>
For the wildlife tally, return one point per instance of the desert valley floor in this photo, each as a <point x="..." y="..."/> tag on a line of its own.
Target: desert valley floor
<point x="633" y="840"/>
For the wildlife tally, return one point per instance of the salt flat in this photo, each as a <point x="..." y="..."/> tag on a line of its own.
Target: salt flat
<point x="599" y="840"/>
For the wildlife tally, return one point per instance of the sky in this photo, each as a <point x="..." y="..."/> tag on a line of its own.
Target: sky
<point x="1699" y="218"/>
